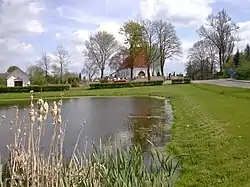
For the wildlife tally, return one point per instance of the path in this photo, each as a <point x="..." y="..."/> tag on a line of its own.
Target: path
<point x="225" y="82"/>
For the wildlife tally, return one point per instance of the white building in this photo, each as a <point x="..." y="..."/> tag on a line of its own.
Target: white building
<point x="139" y="66"/>
<point x="16" y="78"/>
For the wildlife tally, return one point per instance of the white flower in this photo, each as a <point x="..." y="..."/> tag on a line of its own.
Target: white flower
<point x="40" y="102"/>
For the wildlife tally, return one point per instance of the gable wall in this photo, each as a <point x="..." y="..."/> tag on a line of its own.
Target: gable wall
<point x="17" y="74"/>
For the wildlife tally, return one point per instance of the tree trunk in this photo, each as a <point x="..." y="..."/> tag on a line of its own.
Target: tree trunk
<point x="131" y="73"/>
<point x="148" y="72"/>
<point x="61" y="74"/>
<point x="102" y="72"/>
<point x="220" y="60"/>
<point x="162" y="66"/>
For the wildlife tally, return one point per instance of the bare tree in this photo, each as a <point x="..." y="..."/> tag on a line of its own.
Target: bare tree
<point x="202" y="58"/>
<point x="63" y="59"/>
<point x="45" y="63"/>
<point x="90" y="70"/>
<point x="221" y="31"/>
<point x="199" y="53"/>
<point x="118" y="58"/>
<point x="168" y="42"/>
<point x="212" y="51"/>
<point x="100" y="48"/>
<point x="149" y="43"/>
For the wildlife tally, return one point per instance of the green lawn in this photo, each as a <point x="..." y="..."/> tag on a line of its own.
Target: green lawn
<point x="211" y="129"/>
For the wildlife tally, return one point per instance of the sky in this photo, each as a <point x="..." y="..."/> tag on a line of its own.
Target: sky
<point x="31" y="27"/>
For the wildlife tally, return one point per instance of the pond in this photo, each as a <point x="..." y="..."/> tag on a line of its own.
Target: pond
<point x="126" y="121"/>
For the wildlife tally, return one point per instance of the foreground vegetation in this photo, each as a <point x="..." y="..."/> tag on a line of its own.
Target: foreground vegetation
<point x="106" y="166"/>
<point x="209" y="132"/>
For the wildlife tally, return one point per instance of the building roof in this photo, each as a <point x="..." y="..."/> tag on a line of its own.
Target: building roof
<point x="139" y="62"/>
<point x="5" y="75"/>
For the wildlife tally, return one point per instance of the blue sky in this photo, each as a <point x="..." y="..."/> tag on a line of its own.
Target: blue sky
<point x="32" y="27"/>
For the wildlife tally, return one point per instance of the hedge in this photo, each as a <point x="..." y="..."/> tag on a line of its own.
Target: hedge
<point x="34" y="88"/>
<point x="181" y="81"/>
<point x="125" y="84"/>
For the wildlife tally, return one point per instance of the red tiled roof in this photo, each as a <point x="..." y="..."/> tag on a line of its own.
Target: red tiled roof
<point x="139" y="62"/>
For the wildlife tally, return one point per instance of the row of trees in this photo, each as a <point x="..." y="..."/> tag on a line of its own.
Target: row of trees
<point x="215" y="48"/>
<point x="50" y="70"/>
<point x="157" y="40"/>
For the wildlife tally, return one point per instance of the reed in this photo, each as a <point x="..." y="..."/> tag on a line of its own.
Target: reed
<point x="106" y="166"/>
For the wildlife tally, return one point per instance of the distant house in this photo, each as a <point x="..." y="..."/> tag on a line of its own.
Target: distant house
<point x="15" y="78"/>
<point x="139" y="65"/>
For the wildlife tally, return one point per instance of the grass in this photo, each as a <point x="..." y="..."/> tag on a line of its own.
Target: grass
<point x="211" y="129"/>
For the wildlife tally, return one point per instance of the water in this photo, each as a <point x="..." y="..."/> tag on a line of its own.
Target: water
<point x="125" y="121"/>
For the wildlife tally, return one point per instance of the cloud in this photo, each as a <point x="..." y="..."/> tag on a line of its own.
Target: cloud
<point x="188" y="13"/>
<point x="19" y="19"/>
<point x="113" y="28"/>
<point x="244" y="33"/>
<point x="34" y="26"/>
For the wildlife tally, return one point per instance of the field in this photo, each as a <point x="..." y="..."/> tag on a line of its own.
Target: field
<point x="210" y="132"/>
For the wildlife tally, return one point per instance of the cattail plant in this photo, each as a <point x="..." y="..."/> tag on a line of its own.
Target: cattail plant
<point x="106" y="166"/>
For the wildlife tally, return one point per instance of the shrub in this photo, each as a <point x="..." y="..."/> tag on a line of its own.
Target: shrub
<point x="122" y="80"/>
<point x="2" y="82"/>
<point x="34" y="88"/>
<point x="125" y="84"/>
<point x="181" y="81"/>
<point x="243" y="71"/>
<point x="74" y="84"/>
<point x="73" y="79"/>
<point x="104" y="80"/>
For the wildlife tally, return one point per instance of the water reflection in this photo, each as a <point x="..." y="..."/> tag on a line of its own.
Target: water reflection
<point x="125" y="120"/>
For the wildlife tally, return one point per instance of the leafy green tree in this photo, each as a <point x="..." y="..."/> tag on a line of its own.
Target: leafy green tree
<point x="2" y="81"/>
<point x="247" y="52"/>
<point x="132" y="30"/>
<point x="236" y="59"/>
<point x="243" y="71"/>
<point x="36" y="75"/>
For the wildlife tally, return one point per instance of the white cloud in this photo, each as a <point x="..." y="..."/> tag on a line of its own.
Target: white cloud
<point x="244" y="33"/>
<point x="113" y="28"/>
<point x="19" y="19"/>
<point x="58" y="35"/>
<point x="34" y="26"/>
<point x="188" y="13"/>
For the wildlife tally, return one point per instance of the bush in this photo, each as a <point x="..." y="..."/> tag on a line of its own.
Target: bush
<point x="125" y="84"/>
<point x="122" y="80"/>
<point x="74" y="84"/>
<point x="72" y="80"/>
<point x="2" y="82"/>
<point x="181" y="81"/>
<point x="34" y="88"/>
<point x="243" y="71"/>
<point x="104" y="80"/>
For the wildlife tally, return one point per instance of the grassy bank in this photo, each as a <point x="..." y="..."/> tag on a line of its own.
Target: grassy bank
<point x="211" y="129"/>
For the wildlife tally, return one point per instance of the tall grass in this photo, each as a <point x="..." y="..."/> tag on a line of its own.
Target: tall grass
<point x="28" y="165"/>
